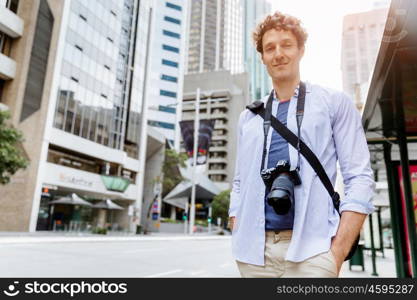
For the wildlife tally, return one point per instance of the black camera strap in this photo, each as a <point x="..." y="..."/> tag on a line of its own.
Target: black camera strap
<point x="299" y="116"/>
<point x="269" y="120"/>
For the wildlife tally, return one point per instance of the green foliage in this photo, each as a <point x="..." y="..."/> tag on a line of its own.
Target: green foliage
<point x="172" y="176"/>
<point x="11" y="158"/>
<point x="220" y="206"/>
<point x="99" y="230"/>
<point x="164" y="220"/>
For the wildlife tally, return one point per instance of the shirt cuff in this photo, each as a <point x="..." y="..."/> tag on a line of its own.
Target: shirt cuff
<point x="356" y="206"/>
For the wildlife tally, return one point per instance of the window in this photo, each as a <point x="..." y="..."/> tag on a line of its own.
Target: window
<point x="167" y="93"/>
<point x="161" y="124"/>
<point x="79" y="48"/>
<point x="171" y="34"/>
<point x="170" y="48"/>
<point x="172" y="20"/>
<point x="170" y="63"/>
<point x="173" y="6"/>
<point x="74" y="79"/>
<point x="83" y="18"/>
<point x="168" y="109"/>
<point x="169" y="78"/>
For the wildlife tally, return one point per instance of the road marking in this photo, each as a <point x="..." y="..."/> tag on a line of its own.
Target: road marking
<point x="164" y="274"/>
<point x="140" y="250"/>
<point x="198" y="272"/>
<point x="225" y="265"/>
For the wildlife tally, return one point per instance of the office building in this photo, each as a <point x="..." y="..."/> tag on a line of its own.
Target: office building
<point x="167" y="58"/>
<point x="215" y="36"/>
<point x="223" y="97"/>
<point x="260" y="82"/>
<point x="78" y="97"/>
<point x="362" y="34"/>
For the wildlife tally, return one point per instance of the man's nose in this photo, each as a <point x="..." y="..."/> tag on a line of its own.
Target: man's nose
<point x="278" y="52"/>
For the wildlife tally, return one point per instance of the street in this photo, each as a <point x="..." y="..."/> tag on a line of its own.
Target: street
<point x="154" y="256"/>
<point x="143" y="258"/>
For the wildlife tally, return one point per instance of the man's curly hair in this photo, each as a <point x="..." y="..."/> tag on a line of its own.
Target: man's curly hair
<point x="279" y="21"/>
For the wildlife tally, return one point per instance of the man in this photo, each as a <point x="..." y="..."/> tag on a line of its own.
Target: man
<point x="311" y="240"/>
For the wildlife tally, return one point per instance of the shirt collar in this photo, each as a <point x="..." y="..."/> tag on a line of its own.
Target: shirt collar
<point x="308" y="90"/>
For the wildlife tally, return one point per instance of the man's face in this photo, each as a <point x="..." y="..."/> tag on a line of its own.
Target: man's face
<point x="281" y="54"/>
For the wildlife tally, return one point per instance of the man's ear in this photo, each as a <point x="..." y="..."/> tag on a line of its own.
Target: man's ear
<point x="302" y="51"/>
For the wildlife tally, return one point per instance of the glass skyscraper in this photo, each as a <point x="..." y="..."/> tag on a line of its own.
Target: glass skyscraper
<point x="260" y="83"/>
<point x="99" y="92"/>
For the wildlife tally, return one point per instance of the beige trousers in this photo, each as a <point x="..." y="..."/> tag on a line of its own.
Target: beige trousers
<point x="276" y="245"/>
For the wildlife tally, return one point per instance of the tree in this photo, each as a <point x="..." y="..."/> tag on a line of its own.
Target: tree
<point x="170" y="168"/>
<point x="220" y="206"/>
<point x="11" y="158"/>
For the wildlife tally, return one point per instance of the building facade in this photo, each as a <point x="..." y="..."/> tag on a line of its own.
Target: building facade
<point x="215" y="36"/>
<point x="90" y="99"/>
<point x="167" y="58"/>
<point x="362" y="34"/>
<point x="29" y="35"/>
<point x="223" y="97"/>
<point x="260" y="82"/>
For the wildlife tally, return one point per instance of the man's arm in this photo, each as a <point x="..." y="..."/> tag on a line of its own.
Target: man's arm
<point x="349" y="228"/>
<point x="354" y="160"/>
<point x="235" y="193"/>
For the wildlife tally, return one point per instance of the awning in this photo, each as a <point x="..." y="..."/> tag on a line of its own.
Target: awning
<point x="71" y="200"/>
<point x="205" y="189"/>
<point x="108" y="204"/>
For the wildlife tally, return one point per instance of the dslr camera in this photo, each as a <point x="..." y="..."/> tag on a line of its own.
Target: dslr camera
<point x="281" y="181"/>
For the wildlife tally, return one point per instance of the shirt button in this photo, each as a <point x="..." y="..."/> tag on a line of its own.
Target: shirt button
<point x="262" y="222"/>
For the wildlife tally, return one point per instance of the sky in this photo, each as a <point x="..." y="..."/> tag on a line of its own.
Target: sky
<point x="323" y="21"/>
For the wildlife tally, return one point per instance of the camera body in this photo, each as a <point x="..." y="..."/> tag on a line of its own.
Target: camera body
<point x="281" y="181"/>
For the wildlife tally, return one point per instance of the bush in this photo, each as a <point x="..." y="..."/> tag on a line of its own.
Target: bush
<point x="99" y="230"/>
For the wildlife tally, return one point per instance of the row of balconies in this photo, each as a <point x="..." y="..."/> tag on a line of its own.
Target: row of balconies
<point x="11" y="27"/>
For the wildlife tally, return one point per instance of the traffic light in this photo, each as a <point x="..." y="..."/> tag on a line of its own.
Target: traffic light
<point x="209" y="219"/>
<point x="184" y="216"/>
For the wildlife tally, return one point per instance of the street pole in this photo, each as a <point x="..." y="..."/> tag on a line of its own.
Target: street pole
<point x="186" y="219"/>
<point x="373" y="252"/>
<point x="209" y="217"/>
<point x="195" y="149"/>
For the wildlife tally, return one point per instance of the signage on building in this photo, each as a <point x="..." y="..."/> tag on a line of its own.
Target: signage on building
<point x="60" y="176"/>
<point x="74" y="180"/>
<point x="113" y="183"/>
<point x="204" y="138"/>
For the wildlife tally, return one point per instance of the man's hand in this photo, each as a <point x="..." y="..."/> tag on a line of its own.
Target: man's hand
<point x="231" y="223"/>
<point x="339" y="255"/>
<point x="349" y="228"/>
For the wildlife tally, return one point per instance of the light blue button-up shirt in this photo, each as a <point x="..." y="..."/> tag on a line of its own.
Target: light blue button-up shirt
<point x="333" y="130"/>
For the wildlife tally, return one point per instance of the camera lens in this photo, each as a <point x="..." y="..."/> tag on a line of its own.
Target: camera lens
<point x="280" y="197"/>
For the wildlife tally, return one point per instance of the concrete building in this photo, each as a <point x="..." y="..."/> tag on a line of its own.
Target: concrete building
<point x="260" y="82"/>
<point x="215" y="36"/>
<point x="29" y="35"/>
<point x="362" y="34"/>
<point x="167" y="60"/>
<point x="78" y="96"/>
<point x="223" y="97"/>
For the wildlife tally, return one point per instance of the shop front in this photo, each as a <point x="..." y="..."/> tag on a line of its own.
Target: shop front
<point x="75" y="200"/>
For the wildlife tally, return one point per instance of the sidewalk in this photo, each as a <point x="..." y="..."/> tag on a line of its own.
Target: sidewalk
<point x="62" y="236"/>
<point x="385" y="267"/>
